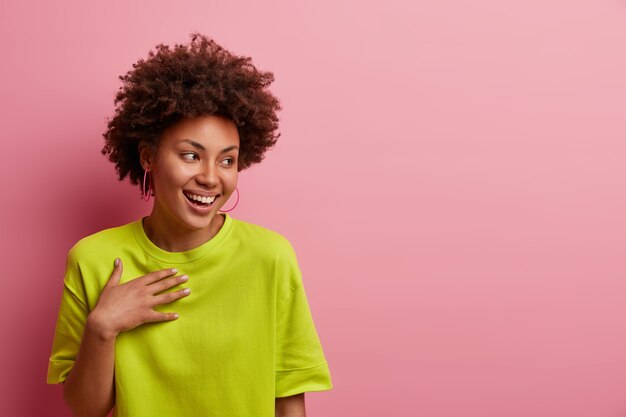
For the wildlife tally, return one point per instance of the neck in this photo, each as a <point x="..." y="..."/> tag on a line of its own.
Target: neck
<point x="173" y="237"/>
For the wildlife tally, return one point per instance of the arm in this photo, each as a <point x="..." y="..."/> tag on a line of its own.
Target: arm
<point x="292" y="406"/>
<point x="89" y="389"/>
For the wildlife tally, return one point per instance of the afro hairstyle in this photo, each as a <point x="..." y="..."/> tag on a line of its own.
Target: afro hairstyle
<point x="186" y="81"/>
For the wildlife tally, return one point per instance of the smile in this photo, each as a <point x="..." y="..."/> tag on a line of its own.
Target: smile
<point x="199" y="200"/>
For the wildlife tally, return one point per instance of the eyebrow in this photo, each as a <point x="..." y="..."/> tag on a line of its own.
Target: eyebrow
<point x="199" y="146"/>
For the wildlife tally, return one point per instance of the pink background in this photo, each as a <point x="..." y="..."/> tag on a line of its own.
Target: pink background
<point x="451" y="174"/>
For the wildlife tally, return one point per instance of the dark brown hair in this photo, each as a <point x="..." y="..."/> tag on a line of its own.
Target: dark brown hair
<point x="198" y="79"/>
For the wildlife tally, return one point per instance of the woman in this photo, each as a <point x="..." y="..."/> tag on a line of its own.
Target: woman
<point x="187" y="311"/>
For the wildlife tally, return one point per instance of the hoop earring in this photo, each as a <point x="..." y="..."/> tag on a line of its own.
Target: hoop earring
<point x="148" y="193"/>
<point x="226" y="211"/>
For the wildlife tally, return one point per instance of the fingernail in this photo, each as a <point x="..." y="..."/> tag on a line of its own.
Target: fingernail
<point x="174" y="270"/>
<point x="117" y="261"/>
<point x="184" y="278"/>
<point x="176" y="315"/>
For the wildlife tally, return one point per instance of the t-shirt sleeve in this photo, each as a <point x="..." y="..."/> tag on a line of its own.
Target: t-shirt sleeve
<point x="71" y="320"/>
<point x="300" y="363"/>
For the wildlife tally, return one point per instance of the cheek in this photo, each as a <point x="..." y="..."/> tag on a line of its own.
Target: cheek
<point x="232" y="179"/>
<point x="172" y="175"/>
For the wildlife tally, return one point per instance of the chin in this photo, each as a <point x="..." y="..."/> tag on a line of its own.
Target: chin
<point x="198" y="223"/>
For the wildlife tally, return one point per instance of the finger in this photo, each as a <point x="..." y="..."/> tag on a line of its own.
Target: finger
<point x="157" y="316"/>
<point x="164" y="284"/>
<point x="168" y="297"/>
<point x="116" y="276"/>
<point x="155" y="276"/>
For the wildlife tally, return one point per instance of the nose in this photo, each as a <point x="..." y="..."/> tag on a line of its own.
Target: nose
<point x="208" y="175"/>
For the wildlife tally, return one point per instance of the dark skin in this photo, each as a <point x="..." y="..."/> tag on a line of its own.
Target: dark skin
<point x="196" y="155"/>
<point x="292" y="406"/>
<point x="89" y="389"/>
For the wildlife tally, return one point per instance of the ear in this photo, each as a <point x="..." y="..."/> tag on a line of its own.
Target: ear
<point x="146" y="156"/>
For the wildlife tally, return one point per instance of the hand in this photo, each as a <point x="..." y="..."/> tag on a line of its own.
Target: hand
<point x="125" y="306"/>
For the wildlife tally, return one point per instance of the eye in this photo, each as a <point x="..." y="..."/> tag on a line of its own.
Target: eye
<point x="190" y="156"/>
<point x="229" y="161"/>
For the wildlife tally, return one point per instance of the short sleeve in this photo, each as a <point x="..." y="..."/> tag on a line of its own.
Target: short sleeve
<point x="300" y="362"/>
<point x="71" y="320"/>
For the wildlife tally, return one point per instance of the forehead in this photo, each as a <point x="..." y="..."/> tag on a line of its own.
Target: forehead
<point x="209" y="131"/>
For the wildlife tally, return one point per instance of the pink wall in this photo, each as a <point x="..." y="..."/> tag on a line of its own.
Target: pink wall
<point x="451" y="174"/>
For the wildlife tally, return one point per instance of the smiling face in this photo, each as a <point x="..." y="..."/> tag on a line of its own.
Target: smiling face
<point x="194" y="172"/>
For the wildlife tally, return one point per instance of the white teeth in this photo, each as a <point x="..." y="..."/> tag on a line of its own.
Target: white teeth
<point x="205" y="200"/>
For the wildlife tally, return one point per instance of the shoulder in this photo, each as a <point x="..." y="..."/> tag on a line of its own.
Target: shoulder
<point x="264" y="239"/>
<point x="90" y="260"/>
<point x="99" y="243"/>
<point x="275" y="250"/>
<point x="261" y="236"/>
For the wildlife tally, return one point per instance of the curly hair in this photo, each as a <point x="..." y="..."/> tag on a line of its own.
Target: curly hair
<point x="198" y="79"/>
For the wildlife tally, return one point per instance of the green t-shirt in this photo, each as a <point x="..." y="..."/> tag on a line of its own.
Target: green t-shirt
<point x="245" y="334"/>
